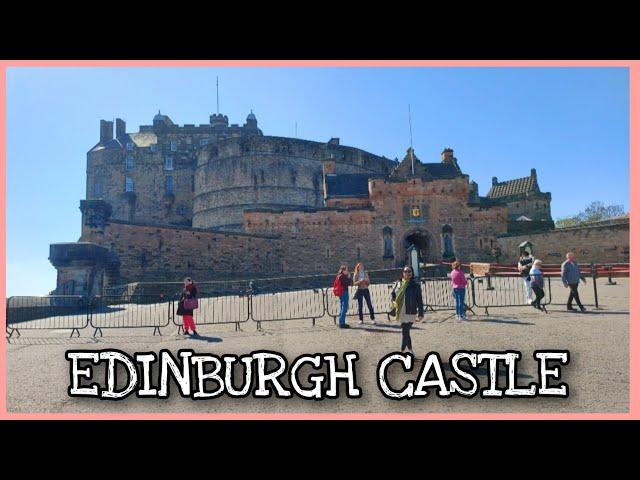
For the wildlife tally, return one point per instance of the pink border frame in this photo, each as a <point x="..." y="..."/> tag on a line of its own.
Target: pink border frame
<point x="634" y="139"/>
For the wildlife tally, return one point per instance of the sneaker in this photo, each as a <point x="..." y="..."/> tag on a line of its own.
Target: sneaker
<point x="185" y="332"/>
<point x="374" y="322"/>
<point x="360" y="322"/>
<point x="195" y="334"/>
<point x="345" y="326"/>
<point x="571" y="309"/>
<point x="529" y="301"/>
<point x="583" y="310"/>
<point x="463" y="318"/>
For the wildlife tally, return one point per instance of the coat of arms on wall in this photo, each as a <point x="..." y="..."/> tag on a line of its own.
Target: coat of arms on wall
<point x="416" y="214"/>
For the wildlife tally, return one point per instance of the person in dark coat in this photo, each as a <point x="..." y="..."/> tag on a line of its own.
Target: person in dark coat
<point x="190" y="291"/>
<point x="408" y="305"/>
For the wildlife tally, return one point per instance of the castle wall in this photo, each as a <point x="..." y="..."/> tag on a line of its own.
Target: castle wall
<point x="160" y="253"/>
<point x="319" y="241"/>
<point x="268" y="172"/>
<point x="533" y="206"/>
<point x="602" y="243"/>
<point x="149" y="201"/>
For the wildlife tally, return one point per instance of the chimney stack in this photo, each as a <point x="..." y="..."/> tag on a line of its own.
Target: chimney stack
<point x="534" y="174"/>
<point x="106" y="131"/>
<point x="121" y="128"/>
<point x="447" y="155"/>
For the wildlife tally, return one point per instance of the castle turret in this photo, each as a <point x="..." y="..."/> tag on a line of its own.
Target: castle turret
<point x="252" y="122"/>
<point x="106" y="131"/>
<point x="220" y="121"/>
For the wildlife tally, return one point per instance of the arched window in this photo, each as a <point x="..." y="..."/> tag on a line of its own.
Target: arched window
<point x="447" y="242"/>
<point x="387" y="237"/>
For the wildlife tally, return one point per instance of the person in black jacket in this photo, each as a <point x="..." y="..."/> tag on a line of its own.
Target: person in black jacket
<point x="408" y="305"/>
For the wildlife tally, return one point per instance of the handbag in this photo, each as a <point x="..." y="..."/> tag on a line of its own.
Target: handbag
<point x="190" y="303"/>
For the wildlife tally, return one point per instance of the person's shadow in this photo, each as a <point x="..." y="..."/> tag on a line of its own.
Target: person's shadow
<point x="204" y="338"/>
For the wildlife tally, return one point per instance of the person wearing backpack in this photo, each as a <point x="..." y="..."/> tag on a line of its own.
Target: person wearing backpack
<point x="524" y="267"/>
<point x="341" y="290"/>
<point x="187" y="304"/>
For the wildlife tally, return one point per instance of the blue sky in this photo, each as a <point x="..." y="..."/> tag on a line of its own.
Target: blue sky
<point x="571" y="124"/>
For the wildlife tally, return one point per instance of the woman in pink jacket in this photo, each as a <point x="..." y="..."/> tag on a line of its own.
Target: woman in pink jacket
<point x="459" y="284"/>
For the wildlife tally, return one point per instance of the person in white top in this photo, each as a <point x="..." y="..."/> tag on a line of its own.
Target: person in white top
<point x="524" y="267"/>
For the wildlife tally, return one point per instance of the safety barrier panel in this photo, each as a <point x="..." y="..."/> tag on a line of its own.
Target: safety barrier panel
<point x="55" y="312"/>
<point x="290" y="305"/>
<point x="138" y="311"/>
<point x="437" y="294"/>
<point x="217" y="310"/>
<point x="236" y="302"/>
<point x="380" y="300"/>
<point x="503" y="291"/>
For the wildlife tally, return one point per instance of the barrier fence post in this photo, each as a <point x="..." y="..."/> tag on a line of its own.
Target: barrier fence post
<point x="594" y="275"/>
<point x="610" y="282"/>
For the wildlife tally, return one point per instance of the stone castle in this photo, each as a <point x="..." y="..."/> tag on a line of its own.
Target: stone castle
<point x="219" y="201"/>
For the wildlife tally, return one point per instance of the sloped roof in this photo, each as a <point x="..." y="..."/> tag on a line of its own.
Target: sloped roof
<point x="423" y="170"/>
<point x="518" y="186"/>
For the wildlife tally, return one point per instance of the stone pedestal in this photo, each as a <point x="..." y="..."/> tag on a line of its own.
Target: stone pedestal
<point x="81" y="267"/>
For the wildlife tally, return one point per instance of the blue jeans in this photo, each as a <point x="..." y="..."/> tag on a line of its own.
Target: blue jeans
<point x="458" y="294"/>
<point x="344" y="306"/>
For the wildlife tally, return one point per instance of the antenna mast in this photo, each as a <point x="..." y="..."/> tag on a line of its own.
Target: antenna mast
<point x="217" y="98"/>
<point x="411" y="143"/>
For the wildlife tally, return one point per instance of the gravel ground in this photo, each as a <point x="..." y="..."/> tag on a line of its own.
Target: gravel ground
<point x="598" y="374"/>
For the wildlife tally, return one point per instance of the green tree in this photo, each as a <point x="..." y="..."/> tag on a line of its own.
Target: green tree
<point x="593" y="212"/>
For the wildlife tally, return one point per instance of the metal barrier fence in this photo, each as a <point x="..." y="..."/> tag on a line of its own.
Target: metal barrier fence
<point x="56" y="312"/>
<point x="232" y="302"/>
<point x="437" y="295"/>
<point x="380" y="300"/>
<point x="224" y="309"/>
<point x="138" y="311"/>
<point x="503" y="291"/>
<point x="290" y="305"/>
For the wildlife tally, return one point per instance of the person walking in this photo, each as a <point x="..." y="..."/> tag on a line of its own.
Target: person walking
<point x="341" y="290"/>
<point x="407" y="306"/>
<point x="537" y="284"/>
<point x="459" y="285"/>
<point x="187" y="304"/>
<point x="361" y="279"/>
<point x="524" y="267"/>
<point x="571" y="277"/>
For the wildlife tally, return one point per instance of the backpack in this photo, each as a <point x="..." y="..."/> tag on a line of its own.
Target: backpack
<point x="338" y="287"/>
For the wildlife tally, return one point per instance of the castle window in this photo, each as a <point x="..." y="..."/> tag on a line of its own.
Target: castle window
<point x="174" y="146"/>
<point x="129" y="162"/>
<point x="182" y="210"/>
<point x="129" y="145"/>
<point x="168" y="163"/>
<point x="480" y="243"/>
<point x="447" y="242"/>
<point x="128" y="184"/>
<point x="204" y="141"/>
<point x="168" y="185"/>
<point x="387" y="237"/>
<point x="97" y="188"/>
<point x="357" y="253"/>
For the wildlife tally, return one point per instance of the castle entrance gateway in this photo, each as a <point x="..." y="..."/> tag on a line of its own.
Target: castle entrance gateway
<point x="419" y="243"/>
